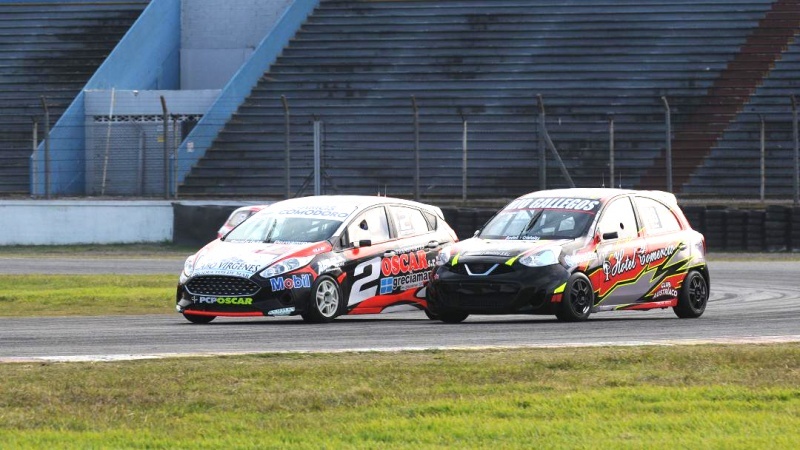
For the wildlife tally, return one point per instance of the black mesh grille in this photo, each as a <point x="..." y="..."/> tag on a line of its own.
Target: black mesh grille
<point x="219" y="285"/>
<point x="481" y="268"/>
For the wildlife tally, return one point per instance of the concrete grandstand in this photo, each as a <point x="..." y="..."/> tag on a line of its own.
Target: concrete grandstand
<point x="354" y="66"/>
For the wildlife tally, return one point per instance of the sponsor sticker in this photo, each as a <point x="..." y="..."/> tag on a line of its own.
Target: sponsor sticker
<point x="321" y="211"/>
<point x="575" y="204"/>
<point x="281" y="312"/>
<point x="665" y="291"/>
<point x="404" y="263"/>
<point x="224" y="300"/>
<point x="289" y="283"/>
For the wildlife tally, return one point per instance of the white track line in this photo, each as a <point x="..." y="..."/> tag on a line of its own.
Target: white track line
<point x="133" y="357"/>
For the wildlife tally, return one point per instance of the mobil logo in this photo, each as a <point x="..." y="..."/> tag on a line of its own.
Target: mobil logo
<point x="404" y="263"/>
<point x="293" y="282"/>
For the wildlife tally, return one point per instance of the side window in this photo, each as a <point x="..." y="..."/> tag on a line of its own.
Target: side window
<point x="409" y="221"/>
<point x="619" y="217"/>
<point x="431" y="218"/>
<point x="656" y="217"/>
<point x="371" y="224"/>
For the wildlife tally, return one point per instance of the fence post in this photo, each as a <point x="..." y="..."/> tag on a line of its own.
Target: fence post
<point x="464" y="160"/>
<point x="554" y="150"/>
<point x="108" y="144"/>
<point x="668" y="120"/>
<point x="762" y="188"/>
<point x="796" y="175"/>
<point x="166" y="146"/>
<point x="611" y="148"/>
<point x="542" y="154"/>
<point x="141" y="162"/>
<point x="416" y="147"/>
<point x="287" y="151"/>
<point x="176" y="144"/>
<point x="46" y="149"/>
<point x="317" y="157"/>
<point x="35" y="141"/>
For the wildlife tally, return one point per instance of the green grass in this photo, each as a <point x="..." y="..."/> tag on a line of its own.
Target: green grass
<point x="77" y="295"/>
<point x="654" y="397"/>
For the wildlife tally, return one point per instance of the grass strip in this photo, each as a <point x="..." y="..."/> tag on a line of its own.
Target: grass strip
<point x="652" y="397"/>
<point x="86" y="295"/>
<point x="144" y="250"/>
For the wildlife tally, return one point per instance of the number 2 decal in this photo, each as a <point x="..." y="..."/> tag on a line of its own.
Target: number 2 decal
<point x="365" y="273"/>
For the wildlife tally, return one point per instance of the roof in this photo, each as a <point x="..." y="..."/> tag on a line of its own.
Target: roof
<point x="602" y="194"/>
<point x="348" y="201"/>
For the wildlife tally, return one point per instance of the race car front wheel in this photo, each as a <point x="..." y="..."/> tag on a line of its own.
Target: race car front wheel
<point x="452" y="316"/>
<point x="194" y="318"/>
<point x="577" y="301"/>
<point x="693" y="297"/>
<point x="326" y="301"/>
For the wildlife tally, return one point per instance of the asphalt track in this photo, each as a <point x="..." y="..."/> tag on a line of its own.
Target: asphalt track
<point x="756" y="301"/>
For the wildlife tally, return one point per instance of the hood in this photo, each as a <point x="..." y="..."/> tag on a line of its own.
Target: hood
<point x="502" y="249"/>
<point x="244" y="259"/>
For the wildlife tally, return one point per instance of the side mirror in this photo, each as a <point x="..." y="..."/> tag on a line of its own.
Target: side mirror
<point x="476" y="233"/>
<point x="363" y="243"/>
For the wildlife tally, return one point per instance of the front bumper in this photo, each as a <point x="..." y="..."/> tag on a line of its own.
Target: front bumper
<point x="517" y="290"/>
<point x="247" y="297"/>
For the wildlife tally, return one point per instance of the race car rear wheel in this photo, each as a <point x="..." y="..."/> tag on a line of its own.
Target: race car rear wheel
<point x="194" y="318"/>
<point x="326" y="301"/>
<point x="577" y="301"/>
<point x="693" y="297"/>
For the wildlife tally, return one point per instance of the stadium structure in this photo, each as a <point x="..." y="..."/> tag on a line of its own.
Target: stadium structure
<point x="206" y="98"/>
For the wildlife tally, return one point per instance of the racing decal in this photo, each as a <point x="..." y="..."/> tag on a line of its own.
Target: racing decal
<point x="329" y="264"/>
<point x="404" y="263"/>
<point x="365" y="283"/>
<point x="578" y="204"/>
<point x="290" y="282"/>
<point x="405" y="271"/>
<point x="281" y="312"/>
<point x="404" y="282"/>
<point x="225" y="300"/>
<point x="319" y="211"/>
<point x="658" y="273"/>
<point x="665" y="291"/>
<point x="229" y="266"/>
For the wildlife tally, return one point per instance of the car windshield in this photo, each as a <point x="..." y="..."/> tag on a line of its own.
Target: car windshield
<point x="553" y="220"/>
<point x="276" y="228"/>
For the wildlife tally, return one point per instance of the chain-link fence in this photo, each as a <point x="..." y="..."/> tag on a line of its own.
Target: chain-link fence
<point x="422" y="151"/>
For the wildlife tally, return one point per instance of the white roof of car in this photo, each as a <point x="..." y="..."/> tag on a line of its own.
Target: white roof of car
<point x="602" y="193"/>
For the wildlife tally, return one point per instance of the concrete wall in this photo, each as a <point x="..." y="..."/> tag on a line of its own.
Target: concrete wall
<point x="218" y="37"/>
<point x="61" y="222"/>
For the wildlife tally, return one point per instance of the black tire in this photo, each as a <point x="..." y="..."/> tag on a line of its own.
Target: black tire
<point x="452" y="316"/>
<point x="431" y="315"/>
<point x="326" y="302"/>
<point x="693" y="297"/>
<point x="194" y="318"/>
<point x="577" y="301"/>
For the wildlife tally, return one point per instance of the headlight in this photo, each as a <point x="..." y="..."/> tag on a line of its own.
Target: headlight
<point x="188" y="266"/>
<point x="444" y="256"/>
<point x="540" y="259"/>
<point x="287" y="265"/>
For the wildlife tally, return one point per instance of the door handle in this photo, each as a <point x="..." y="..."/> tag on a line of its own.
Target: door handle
<point x="432" y="244"/>
<point x="389" y="254"/>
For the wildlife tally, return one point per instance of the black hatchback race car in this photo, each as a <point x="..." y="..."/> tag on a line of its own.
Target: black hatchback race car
<point x="572" y="252"/>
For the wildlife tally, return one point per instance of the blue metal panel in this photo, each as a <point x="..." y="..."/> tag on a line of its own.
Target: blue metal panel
<point x="146" y="58"/>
